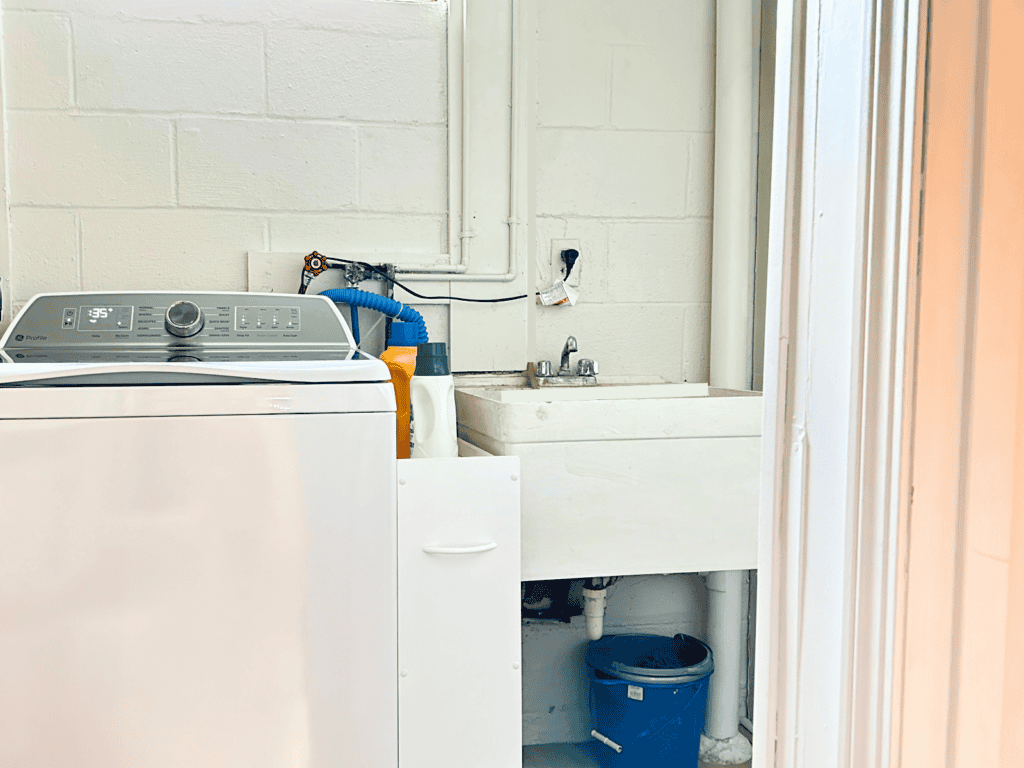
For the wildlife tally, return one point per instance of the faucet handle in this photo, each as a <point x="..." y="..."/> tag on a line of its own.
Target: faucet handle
<point x="586" y="367"/>
<point x="544" y="368"/>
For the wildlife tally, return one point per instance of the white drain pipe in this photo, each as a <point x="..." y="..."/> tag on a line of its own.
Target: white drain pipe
<point x="593" y="609"/>
<point x="732" y="330"/>
<point x="734" y="227"/>
<point x="725" y="636"/>
<point x="722" y="742"/>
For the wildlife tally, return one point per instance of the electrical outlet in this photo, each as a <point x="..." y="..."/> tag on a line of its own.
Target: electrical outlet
<point x="558" y="266"/>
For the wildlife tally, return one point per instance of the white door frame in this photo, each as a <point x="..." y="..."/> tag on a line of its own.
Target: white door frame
<point x="841" y="250"/>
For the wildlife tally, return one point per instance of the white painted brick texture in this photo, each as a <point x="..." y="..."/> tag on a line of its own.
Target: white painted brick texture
<point x="266" y="165"/>
<point x="359" y="232"/>
<point x="324" y="73"/>
<point x="574" y="87"/>
<point x="161" y="66"/>
<point x="624" y="163"/>
<point x="700" y="176"/>
<point x="664" y="261"/>
<point x="50" y="255"/>
<point x="611" y="173"/>
<point x="152" y="144"/>
<point x="188" y="249"/>
<point x="666" y="88"/>
<point x="401" y="169"/>
<point x="37" y="60"/>
<point x="109" y="160"/>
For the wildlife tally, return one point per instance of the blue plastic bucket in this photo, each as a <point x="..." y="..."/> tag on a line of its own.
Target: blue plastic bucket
<point x="648" y="695"/>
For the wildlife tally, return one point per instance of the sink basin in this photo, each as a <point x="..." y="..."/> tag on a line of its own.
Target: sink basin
<point x="515" y="394"/>
<point x="492" y="414"/>
<point x="625" y="477"/>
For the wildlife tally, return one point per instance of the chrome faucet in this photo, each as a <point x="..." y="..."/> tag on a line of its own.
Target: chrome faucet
<point x="569" y="348"/>
<point x="540" y="374"/>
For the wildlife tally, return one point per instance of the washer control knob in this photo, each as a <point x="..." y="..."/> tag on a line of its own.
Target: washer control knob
<point x="184" y="318"/>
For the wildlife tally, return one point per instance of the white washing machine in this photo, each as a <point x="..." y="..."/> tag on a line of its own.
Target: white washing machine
<point x="197" y="535"/>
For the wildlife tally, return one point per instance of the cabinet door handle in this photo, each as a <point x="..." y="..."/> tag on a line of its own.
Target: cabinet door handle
<point x="461" y="550"/>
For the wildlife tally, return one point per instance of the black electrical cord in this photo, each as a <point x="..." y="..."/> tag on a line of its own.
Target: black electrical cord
<point x="383" y="273"/>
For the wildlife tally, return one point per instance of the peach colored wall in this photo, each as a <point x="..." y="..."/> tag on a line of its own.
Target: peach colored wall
<point x="960" y="689"/>
<point x="1002" y="304"/>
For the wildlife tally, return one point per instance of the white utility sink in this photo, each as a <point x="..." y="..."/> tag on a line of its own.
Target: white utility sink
<point x="517" y="394"/>
<point x="624" y="477"/>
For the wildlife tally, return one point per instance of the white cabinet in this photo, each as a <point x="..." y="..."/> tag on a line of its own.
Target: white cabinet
<point x="459" y="687"/>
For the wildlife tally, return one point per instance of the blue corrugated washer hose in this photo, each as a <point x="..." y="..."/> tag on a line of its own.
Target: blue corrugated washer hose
<point x="396" y="309"/>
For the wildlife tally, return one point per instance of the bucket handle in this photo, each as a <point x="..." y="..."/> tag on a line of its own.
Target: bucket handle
<point x="606" y="741"/>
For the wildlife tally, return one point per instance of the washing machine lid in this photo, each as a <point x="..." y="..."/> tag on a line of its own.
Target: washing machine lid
<point x="162" y="337"/>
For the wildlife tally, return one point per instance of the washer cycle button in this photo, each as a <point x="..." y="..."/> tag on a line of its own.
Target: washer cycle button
<point x="184" y="318"/>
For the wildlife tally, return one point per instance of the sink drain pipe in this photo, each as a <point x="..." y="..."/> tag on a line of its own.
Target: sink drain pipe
<point x="593" y="610"/>
<point x="732" y="331"/>
<point x="724" y="743"/>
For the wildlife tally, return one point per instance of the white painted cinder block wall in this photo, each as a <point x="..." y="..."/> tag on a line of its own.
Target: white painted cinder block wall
<point x="624" y="162"/>
<point x="152" y="144"/>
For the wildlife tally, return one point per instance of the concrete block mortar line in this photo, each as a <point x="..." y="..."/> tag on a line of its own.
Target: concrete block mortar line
<point x="352" y="122"/>
<point x="624" y="219"/>
<point x="226" y="116"/>
<point x="611" y="128"/>
<point x="612" y="302"/>
<point x="128" y="15"/>
<point x="349" y="213"/>
<point x="119" y="16"/>
<point x="353" y="213"/>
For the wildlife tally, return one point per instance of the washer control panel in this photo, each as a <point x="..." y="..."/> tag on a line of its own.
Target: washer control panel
<point x="106" y="318"/>
<point x="268" y="319"/>
<point x="146" y="326"/>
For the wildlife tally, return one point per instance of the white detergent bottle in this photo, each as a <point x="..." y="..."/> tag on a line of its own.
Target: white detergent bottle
<point x="432" y="392"/>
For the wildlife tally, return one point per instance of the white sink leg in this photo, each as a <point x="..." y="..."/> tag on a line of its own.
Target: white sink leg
<point x="724" y="743"/>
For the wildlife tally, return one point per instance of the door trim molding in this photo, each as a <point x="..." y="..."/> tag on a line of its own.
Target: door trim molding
<point x="841" y="251"/>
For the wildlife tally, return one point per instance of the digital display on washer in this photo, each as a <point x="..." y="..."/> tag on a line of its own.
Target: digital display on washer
<point x="105" y="318"/>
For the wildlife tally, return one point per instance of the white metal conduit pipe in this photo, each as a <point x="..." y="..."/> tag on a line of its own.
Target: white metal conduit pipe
<point x="457" y="83"/>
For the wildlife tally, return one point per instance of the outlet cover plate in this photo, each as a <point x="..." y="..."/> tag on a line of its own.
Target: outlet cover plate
<point x="558" y="266"/>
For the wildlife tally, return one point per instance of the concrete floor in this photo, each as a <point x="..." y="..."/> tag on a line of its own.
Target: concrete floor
<point x="577" y="756"/>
